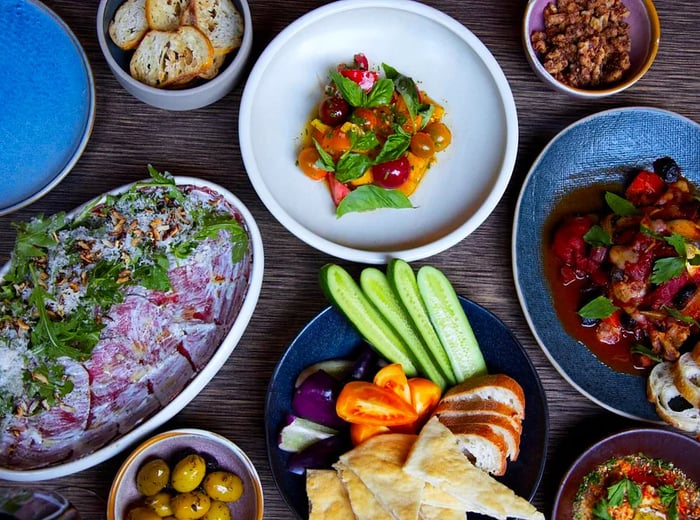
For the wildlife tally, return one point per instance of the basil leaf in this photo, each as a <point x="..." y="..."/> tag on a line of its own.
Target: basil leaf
<point x="381" y="93"/>
<point x="598" y="308"/>
<point x="667" y="268"/>
<point x="597" y="236"/>
<point x="616" y="493"/>
<point x="352" y="166"/>
<point x="325" y="161"/>
<point x="363" y="142"/>
<point x="634" y="493"/>
<point x="369" y="197"/>
<point x="600" y="510"/>
<point x="394" y="147"/>
<point x="619" y="205"/>
<point x="351" y="91"/>
<point x="426" y="112"/>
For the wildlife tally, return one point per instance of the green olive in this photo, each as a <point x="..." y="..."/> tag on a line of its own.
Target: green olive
<point x="218" y="511"/>
<point x="187" y="474"/>
<point x="190" y="506"/>
<point x="152" y="477"/>
<point x="223" y="485"/>
<point x="160" y="503"/>
<point x="142" y="513"/>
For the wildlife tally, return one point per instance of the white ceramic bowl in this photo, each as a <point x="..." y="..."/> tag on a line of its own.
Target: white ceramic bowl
<point x="168" y="445"/>
<point x="449" y="63"/>
<point x="645" y="33"/>
<point x="202" y="377"/>
<point x="198" y="96"/>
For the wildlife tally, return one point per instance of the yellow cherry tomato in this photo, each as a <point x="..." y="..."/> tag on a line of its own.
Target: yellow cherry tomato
<point x="188" y="473"/>
<point x="223" y="485"/>
<point x="152" y="477"/>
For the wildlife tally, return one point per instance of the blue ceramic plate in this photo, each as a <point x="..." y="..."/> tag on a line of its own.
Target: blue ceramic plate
<point x="673" y="447"/>
<point x="601" y="148"/>
<point x="329" y="335"/>
<point x="48" y="101"/>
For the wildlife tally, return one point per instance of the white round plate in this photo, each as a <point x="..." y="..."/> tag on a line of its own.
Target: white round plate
<point x="447" y="61"/>
<point x="198" y="382"/>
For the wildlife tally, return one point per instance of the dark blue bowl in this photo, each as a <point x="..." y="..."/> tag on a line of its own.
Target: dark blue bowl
<point x="329" y="335"/>
<point x="602" y="148"/>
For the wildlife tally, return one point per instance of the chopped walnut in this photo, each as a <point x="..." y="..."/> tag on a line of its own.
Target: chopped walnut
<point x="585" y="43"/>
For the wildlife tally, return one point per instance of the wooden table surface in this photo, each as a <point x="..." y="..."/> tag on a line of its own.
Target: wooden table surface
<point x="128" y="135"/>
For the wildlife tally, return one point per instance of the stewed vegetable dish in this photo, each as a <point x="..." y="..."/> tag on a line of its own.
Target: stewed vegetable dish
<point x="373" y="137"/>
<point x="626" y="276"/>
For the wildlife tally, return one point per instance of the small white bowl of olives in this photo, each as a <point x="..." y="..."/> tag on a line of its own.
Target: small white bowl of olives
<point x="186" y="474"/>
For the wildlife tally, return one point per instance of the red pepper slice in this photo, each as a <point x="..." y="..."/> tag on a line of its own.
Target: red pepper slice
<point x="645" y="188"/>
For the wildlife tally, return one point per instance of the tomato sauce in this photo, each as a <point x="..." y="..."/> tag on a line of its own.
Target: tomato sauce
<point x="568" y="298"/>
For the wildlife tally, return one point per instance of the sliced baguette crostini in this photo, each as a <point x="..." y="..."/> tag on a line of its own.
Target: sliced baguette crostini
<point x="169" y="58"/>
<point x="495" y="387"/>
<point x="164" y="15"/>
<point x="221" y="22"/>
<point x="669" y="402"/>
<point x="129" y="24"/>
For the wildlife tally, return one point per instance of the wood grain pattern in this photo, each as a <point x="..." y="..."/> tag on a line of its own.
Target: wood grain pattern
<point x="203" y="143"/>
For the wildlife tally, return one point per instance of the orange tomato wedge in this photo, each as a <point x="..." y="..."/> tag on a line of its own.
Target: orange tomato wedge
<point x="366" y="403"/>
<point x="361" y="432"/>
<point x="392" y="377"/>
<point x="425" y="396"/>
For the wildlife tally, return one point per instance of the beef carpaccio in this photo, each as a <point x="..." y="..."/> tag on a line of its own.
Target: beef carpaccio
<point x="106" y="316"/>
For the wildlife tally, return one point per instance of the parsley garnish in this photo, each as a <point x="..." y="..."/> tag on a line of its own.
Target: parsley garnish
<point x="669" y="497"/>
<point x="597" y="236"/>
<point x="620" y="205"/>
<point x="598" y="308"/>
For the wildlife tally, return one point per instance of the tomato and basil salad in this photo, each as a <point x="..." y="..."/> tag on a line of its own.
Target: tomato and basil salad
<point x="373" y="137"/>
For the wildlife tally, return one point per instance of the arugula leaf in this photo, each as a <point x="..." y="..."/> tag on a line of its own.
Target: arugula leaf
<point x="598" y="308"/>
<point x="369" y="197"/>
<point x="48" y="382"/>
<point x="352" y="166"/>
<point x="214" y="222"/>
<point x="154" y="276"/>
<point x="33" y="238"/>
<point x="394" y="146"/>
<point x="597" y="236"/>
<point x="620" y="205"/>
<point x="667" y="268"/>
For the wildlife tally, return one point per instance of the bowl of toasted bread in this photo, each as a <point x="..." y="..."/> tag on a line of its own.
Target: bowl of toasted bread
<point x="176" y="54"/>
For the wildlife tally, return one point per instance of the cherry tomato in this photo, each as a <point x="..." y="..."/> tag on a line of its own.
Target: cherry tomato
<point x="365" y="118"/>
<point x="366" y="403"/>
<point x="645" y="188"/>
<point x="333" y="110"/>
<point x="336" y="142"/>
<point x="394" y="378"/>
<point x="422" y="145"/>
<point x="307" y="160"/>
<point x="391" y="174"/>
<point x="440" y="134"/>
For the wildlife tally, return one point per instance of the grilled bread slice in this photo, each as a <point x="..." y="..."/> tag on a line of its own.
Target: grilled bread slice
<point x="164" y="15"/>
<point x="171" y="58"/>
<point x="221" y="22"/>
<point x="686" y="377"/>
<point x="495" y="387"/>
<point x="670" y="404"/>
<point x="129" y="24"/>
